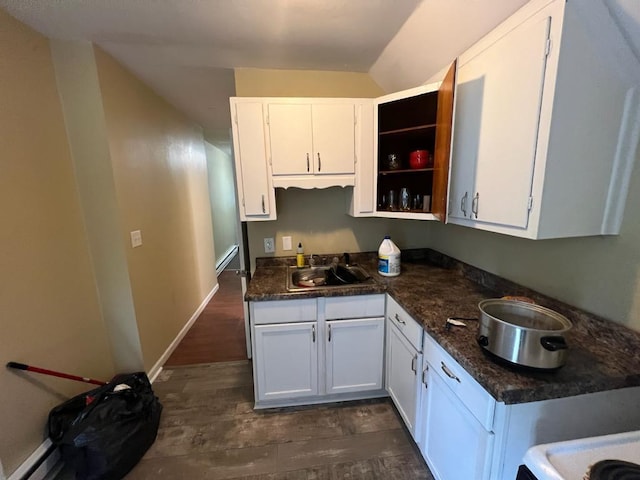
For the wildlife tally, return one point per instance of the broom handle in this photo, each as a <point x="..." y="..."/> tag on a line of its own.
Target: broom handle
<point x="44" y="371"/>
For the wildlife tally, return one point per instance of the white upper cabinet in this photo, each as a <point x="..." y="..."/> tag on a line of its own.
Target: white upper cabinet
<point x="312" y="142"/>
<point x="333" y="138"/>
<point x="253" y="179"/>
<point x="546" y="126"/>
<point x="415" y="120"/>
<point x="291" y="137"/>
<point x="493" y="165"/>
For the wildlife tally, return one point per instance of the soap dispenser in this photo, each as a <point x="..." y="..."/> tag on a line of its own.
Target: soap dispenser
<point x="300" y="256"/>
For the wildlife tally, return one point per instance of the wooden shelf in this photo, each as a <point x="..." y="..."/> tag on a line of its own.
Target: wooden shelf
<point x="410" y="129"/>
<point x="410" y="170"/>
<point x="411" y="214"/>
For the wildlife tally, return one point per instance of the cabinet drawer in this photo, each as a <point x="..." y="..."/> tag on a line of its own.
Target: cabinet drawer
<point x="411" y="329"/>
<point x="284" y="311"/>
<point x="475" y="398"/>
<point x="358" y="306"/>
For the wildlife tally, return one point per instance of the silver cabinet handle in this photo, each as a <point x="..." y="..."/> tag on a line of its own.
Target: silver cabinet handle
<point x="399" y="320"/>
<point x="319" y="163"/>
<point x="263" y="209"/>
<point x="307" y="162"/>
<point x="448" y="372"/>
<point x="463" y="203"/>
<point x="329" y="332"/>
<point x="474" y="204"/>
<point x="414" y="362"/>
<point x="424" y="375"/>
<point x="313" y="333"/>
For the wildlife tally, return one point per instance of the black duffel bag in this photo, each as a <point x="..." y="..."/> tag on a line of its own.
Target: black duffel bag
<point x="103" y="433"/>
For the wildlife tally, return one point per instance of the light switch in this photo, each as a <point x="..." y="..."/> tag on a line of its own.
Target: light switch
<point x="136" y="238"/>
<point x="286" y="243"/>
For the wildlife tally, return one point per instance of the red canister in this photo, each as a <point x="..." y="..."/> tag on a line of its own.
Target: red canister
<point x="419" y="159"/>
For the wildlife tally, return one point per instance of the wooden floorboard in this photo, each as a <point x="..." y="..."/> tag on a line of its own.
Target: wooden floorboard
<point x="209" y="430"/>
<point x="218" y="333"/>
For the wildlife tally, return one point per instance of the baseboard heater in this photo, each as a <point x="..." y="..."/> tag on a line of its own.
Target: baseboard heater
<point x="43" y="463"/>
<point x="226" y="260"/>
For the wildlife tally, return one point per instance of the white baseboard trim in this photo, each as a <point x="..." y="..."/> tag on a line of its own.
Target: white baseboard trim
<point x="39" y="463"/>
<point x="226" y="260"/>
<point x="157" y="368"/>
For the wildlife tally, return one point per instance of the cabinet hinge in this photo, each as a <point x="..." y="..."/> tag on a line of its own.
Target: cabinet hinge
<point x="547" y="47"/>
<point x="270" y="160"/>
<point x="267" y="119"/>
<point x="235" y="118"/>
<point x="530" y="203"/>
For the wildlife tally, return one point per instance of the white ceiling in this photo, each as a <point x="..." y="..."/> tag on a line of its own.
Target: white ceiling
<point x="186" y="49"/>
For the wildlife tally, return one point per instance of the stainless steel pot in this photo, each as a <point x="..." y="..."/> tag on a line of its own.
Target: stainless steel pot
<point x="523" y="333"/>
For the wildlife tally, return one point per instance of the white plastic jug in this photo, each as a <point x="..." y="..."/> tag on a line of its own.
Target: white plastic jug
<point x="388" y="258"/>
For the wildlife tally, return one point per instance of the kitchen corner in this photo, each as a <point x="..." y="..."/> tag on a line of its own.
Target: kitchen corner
<point x="391" y="337"/>
<point x="434" y="287"/>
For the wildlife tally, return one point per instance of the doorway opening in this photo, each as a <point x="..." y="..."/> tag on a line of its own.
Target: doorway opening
<point x="218" y="334"/>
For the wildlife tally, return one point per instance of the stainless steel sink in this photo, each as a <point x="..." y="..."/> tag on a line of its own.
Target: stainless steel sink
<point x="319" y="278"/>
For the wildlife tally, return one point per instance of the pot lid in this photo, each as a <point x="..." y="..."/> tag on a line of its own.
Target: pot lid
<point x="524" y="315"/>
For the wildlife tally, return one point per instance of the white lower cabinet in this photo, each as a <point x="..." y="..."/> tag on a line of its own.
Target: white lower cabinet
<point x="317" y="350"/>
<point x="454" y="443"/>
<point x="403" y="382"/>
<point x="286" y="357"/>
<point x="354" y="352"/>
<point x="456" y="433"/>
<point x="331" y="349"/>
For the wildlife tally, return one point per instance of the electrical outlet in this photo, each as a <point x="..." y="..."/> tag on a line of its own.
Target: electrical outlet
<point x="136" y="238"/>
<point x="286" y="243"/>
<point x="269" y="245"/>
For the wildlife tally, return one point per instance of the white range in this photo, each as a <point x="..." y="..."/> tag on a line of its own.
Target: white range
<point x="571" y="460"/>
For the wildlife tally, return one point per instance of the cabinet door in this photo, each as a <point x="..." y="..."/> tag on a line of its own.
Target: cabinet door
<point x="290" y="136"/>
<point x="354" y="355"/>
<point x="403" y="381"/>
<point x="442" y="154"/>
<point x="286" y="357"/>
<point x="498" y="124"/>
<point x="252" y="174"/>
<point x="465" y="144"/>
<point x="333" y="139"/>
<point x="455" y="445"/>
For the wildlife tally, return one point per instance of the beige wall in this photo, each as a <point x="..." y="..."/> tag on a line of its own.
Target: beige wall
<point x="224" y="212"/>
<point x="49" y="310"/>
<point x="318" y="218"/>
<point x="160" y="172"/>
<point x="77" y="80"/>
<point x="255" y="82"/>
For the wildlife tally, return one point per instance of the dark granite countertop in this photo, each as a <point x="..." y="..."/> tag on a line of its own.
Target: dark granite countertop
<point x="602" y="355"/>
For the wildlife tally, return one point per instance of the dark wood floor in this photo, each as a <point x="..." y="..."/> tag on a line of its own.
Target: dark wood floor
<point x="209" y="430"/>
<point x="218" y="333"/>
